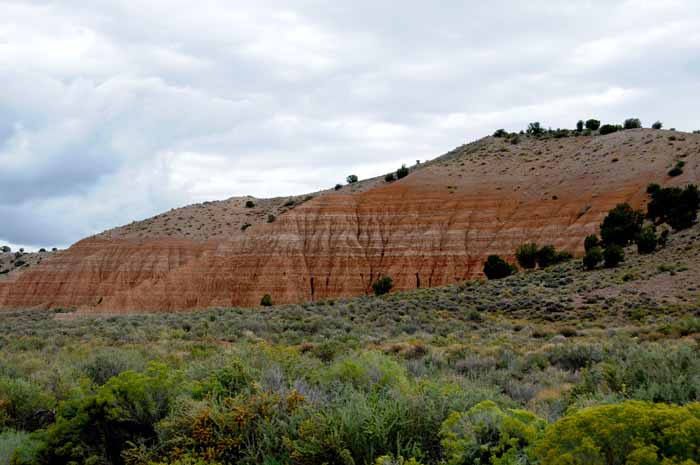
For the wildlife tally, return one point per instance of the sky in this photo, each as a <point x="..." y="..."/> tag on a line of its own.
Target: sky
<point x="114" y="111"/>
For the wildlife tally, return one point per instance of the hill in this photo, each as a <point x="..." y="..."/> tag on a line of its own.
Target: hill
<point x="434" y="227"/>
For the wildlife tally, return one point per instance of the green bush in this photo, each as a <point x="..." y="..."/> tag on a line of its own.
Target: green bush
<point x="657" y="125"/>
<point x="613" y="255"/>
<point x="632" y="123"/>
<point x="535" y="129"/>
<point x="108" y="362"/>
<point x="338" y="187"/>
<point x="526" y="255"/>
<point x="621" y="225"/>
<point x="546" y="256"/>
<point x="266" y="300"/>
<point x="629" y="433"/>
<point x="590" y="242"/>
<point x="593" y="257"/>
<point x="500" y="133"/>
<point x="22" y="404"/>
<point x="496" y="268"/>
<point x="675" y="206"/>
<point x="402" y="172"/>
<point x="579" y="125"/>
<point x="351" y="179"/>
<point x="390" y="177"/>
<point x="98" y="427"/>
<point x="249" y="204"/>
<point x="647" y="240"/>
<point x="486" y="434"/>
<point x="593" y="124"/>
<point x="609" y="129"/>
<point x="17" y="447"/>
<point x="382" y="286"/>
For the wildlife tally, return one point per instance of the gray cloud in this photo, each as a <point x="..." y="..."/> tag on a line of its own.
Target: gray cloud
<point x="114" y="111"/>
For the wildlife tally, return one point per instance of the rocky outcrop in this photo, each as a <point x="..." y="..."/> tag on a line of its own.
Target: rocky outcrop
<point x="434" y="227"/>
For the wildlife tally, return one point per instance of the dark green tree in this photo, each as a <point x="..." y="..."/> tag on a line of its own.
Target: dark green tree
<point x="593" y="124"/>
<point x="526" y="255"/>
<point x="496" y="268"/>
<point x="621" y="225"/>
<point x="590" y="242"/>
<point x="593" y="256"/>
<point x="613" y="255"/>
<point x="402" y="172"/>
<point x="382" y="286"/>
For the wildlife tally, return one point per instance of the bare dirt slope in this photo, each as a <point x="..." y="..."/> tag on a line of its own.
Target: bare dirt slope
<point x="434" y="227"/>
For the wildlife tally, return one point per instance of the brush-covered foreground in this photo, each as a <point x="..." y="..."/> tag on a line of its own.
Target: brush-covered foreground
<point x="560" y="366"/>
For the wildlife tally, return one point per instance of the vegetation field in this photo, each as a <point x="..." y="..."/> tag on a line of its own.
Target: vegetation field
<point x="555" y="366"/>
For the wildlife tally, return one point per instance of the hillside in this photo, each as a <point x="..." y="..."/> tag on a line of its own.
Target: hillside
<point x="434" y="227"/>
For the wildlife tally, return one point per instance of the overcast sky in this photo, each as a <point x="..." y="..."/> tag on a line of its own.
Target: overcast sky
<point x="113" y="111"/>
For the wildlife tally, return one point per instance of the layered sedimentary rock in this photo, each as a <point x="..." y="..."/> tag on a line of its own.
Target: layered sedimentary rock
<point x="434" y="227"/>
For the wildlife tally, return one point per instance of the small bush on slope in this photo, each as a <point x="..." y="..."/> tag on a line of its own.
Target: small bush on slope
<point x="497" y="268"/>
<point x="621" y="225"/>
<point x="526" y="255"/>
<point x="382" y="286"/>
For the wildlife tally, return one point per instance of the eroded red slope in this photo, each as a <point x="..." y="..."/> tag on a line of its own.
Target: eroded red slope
<point x="432" y="228"/>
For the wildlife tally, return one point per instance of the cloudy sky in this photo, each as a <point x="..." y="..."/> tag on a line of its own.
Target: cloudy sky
<point x="117" y="110"/>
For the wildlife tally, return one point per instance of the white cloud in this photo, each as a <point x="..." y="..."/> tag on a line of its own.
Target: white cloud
<point x="114" y="111"/>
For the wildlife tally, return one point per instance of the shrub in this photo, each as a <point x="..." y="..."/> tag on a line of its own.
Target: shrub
<point x="266" y="301"/>
<point x="593" y="124"/>
<point x="677" y="170"/>
<point x="107" y="363"/>
<point x="22" y="404"/>
<point x="647" y="240"/>
<point x="515" y="140"/>
<point x="579" y="125"/>
<point x="271" y="218"/>
<point x="609" y="129"/>
<point x="496" y="268"/>
<point x="98" y="427"/>
<point x="675" y="206"/>
<point x="629" y="433"/>
<point x="352" y="179"/>
<point x="535" y="129"/>
<point x="500" y="133"/>
<point x="652" y="187"/>
<point x="402" y="172"/>
<point x="5" y="249"/>
<point x="562" y="256"/>
<point x="593" y="256"/>
<point x="338" y="187"/>
<point x="391" y="460"/>
<point x="613" y="255"/>
<point x="632" y="123"/>
<point x="249" y="204"/>
<point x="382" y="286"/>
<point x="526" y="255"/>
<point x="657" y="125"/>
<point x="621" y="225"/>
<point x="546" y="256"/>
<point x="390" y="177"/>
<point x="590" y="242"/>
<point x="17" y="447"/>
<point x="487" y="434"/>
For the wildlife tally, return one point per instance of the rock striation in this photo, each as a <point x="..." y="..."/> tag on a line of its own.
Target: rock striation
<point x="434" y="227"/>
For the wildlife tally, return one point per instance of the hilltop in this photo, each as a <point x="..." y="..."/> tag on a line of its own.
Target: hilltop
<point x="434" y="227"/>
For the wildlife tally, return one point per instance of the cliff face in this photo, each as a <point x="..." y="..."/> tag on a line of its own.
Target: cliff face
<point x="434" y="227"/>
